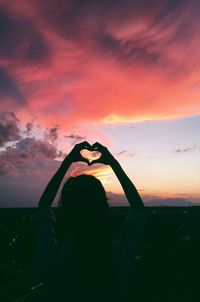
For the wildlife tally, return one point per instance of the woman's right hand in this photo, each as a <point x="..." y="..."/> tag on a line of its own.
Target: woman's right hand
<point x="106" y="157"/>
<point x="130" y="190"/>
<point x="52" y="188"/>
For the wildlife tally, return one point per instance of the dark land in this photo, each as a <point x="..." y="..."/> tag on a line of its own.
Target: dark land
<point x="167" y="269"/>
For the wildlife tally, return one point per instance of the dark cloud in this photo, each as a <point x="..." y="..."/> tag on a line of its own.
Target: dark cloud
<point x="79" y="20"/>
<point x="52" y="134"/>
<point x="181" y="17"/>
<point x="97" y="23"/>
<point x="72" y="18"/>
<point x="75" y="138"/>
<point x="29" y="127"/>
<point x="86" y="21"/>
<point x="32" y="148"/>
<point x="168" y="11"/>
<point x="25" y="151"/>
<point x="144" y="46"/>
<point x="184" y="150"/>
<point x="9" y="90"/>
<point x="131" y="50"/>
<point x="20" y="39"/>
<point x="9" y="130"/>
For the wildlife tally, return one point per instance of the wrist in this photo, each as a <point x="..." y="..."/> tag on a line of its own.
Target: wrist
<point x="114" y="164"/>
<point x="67" y="162"/>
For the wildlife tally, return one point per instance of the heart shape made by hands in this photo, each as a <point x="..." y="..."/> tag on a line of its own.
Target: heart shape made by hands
<point x="90" y="155"/>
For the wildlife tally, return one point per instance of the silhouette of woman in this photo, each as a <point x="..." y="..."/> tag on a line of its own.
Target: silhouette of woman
<point x="77" y="256"/>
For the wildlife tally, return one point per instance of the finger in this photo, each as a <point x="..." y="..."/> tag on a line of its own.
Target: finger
<point x="83" y="159"/>
<point x="83" y="145"/>
<point x="98" y="146"/>
<point x="86" y="161"/>
<point x="95" y="161"/>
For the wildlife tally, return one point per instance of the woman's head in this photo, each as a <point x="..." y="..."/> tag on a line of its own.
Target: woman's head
<point x="83" y="201"/>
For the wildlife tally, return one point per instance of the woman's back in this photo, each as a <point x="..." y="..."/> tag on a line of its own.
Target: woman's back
<point x="91" y="265"/>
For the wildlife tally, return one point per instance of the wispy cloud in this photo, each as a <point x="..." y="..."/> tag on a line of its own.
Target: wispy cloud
<point x="185" y="150"/>
<point x="125" y="154"/>
<point x="74" y="138"/>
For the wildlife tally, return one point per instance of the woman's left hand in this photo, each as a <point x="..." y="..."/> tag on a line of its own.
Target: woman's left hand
<point x="75" y="154"/>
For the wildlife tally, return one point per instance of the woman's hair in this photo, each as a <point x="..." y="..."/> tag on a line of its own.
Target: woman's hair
<point x="83" y="202"/>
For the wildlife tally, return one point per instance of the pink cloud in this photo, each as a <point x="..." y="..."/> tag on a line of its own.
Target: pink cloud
<point x="25" y="151"/>
<point x="101" y="61"/>
<point x="9" y="128"/>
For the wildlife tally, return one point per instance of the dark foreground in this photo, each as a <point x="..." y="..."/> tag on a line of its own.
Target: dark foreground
<point x="168" y="268"/>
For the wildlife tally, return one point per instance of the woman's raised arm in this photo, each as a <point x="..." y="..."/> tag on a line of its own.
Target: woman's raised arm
<point x="51" y="189"/>
<point x="130" y="190"/>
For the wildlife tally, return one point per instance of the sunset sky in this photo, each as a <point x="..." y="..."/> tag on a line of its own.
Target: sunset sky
<point x="125" y="73"/>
